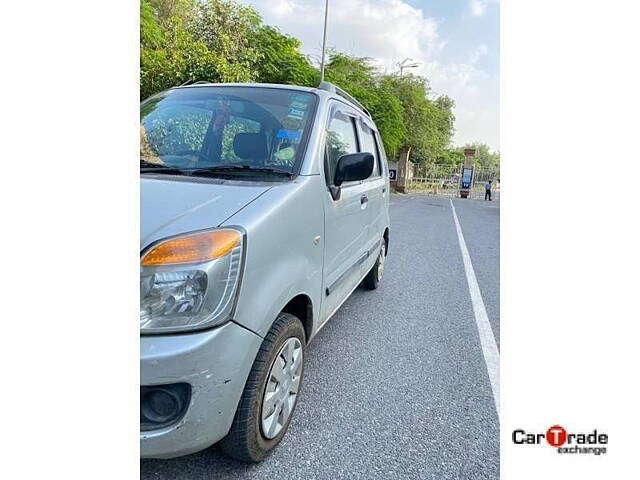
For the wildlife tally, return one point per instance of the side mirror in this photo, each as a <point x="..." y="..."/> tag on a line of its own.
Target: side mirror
<point x="353" y="167"/>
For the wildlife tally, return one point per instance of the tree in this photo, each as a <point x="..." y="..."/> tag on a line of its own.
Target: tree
<point x="387" y="112"/>
<point x="207" y="40"/>
<point x="358" y="77"/>
<point x="484" y="156"/>
<point x="406" y="116"/>
<point x="444" y="120"/>
<point x="166" y="11"/>
<point x="226" y="41"/>
<point x="353" y="74"/>
<point x="151" y="34"/>
<point x="279" y="59"/>
<point x="226" y="28"/>
<point x="451" y="156"/>
<point x="429" y="124"/>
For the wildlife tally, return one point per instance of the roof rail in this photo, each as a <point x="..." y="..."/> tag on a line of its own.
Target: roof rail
<point x="191" y="82"/>
<point x="330" y="87"/>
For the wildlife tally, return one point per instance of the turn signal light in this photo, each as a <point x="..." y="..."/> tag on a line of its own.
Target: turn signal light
<point x="193" y="248"/>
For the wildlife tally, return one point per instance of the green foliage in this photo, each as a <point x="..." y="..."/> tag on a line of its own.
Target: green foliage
<point x="226" y="41"/>
<point x="484" y="156"/>
<point x="359" y="78"/>
<point x="207" y="40"/>
<point x="225" y="27"/>
<point x="428" y="123"/>
<point x="453" y="156"/>
<point x="183" y="59"/>
<point x="151" y="34"/>
<point x="168" y="10"/>
<point x="387" y="112"/>
<point x="279" y="59"/>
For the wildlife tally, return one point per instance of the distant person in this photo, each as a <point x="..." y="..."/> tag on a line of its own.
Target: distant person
<point x="487" y="190"/>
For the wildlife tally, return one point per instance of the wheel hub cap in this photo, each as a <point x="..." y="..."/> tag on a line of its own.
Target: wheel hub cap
<point x="281" y="391"/>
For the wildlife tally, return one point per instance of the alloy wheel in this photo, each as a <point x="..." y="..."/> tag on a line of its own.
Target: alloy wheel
<point x="281" y="391"/>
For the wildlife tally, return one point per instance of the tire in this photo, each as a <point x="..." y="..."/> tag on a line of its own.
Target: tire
<point x="374" y="276"/>
<point x="247" y="441"/>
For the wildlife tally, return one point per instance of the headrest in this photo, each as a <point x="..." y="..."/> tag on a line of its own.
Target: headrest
<point x="250" y="146"/>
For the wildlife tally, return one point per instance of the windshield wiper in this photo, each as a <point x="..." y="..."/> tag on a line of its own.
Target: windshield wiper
<point x="239" y="168"/>
<point x="146" y="167"/>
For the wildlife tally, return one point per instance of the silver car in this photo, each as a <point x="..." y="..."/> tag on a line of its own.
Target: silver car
<point x="263" y="208"/>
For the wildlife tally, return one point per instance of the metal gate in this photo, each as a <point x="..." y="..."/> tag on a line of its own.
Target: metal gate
<point x="440" y="179"/>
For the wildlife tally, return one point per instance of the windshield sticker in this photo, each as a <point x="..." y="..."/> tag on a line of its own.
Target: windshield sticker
<point x="293" y="135"/>
<point x="285" y="154"/>
<point x="300" y="97"/>
<point x="299" y="105"/>
<point x="296" y="113"/>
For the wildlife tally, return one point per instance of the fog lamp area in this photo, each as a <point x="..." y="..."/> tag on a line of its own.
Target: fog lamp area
<point x="163" y="405"/>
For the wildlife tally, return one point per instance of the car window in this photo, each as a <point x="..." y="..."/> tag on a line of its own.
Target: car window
<point x="381" y="153"/>
<point x="203" y="127"/>
<point x="177" y="130"/>
<point x="341" y="139"/>
<point x="234" y="126"/>
<point x="369" y="145"/>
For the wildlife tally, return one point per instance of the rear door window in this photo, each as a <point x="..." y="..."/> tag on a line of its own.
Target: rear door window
<point x="369" y="145"/>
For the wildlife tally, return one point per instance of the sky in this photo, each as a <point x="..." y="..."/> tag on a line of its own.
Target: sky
<point x="455" y="42"/>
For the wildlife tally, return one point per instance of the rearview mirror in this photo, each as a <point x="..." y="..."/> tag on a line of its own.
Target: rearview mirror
<point x="353" y="167"/>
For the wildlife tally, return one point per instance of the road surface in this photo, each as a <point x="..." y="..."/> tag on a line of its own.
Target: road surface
<point x="396" y="385"/>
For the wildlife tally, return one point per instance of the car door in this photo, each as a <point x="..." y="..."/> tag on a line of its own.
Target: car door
<point x="375" y="191"/>
<point x="346" y="217"/>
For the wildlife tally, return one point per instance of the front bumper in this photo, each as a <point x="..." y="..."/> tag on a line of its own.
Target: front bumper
<point x="216" y="363"/>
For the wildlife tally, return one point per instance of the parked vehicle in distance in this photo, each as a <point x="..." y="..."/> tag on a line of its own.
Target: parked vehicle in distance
<point x="263" y="207"/>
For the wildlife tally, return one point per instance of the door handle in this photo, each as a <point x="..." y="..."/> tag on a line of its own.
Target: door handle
<point x="364" y="199"/>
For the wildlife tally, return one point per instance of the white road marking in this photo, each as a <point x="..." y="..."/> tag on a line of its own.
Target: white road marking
<point x="487" y="340"/>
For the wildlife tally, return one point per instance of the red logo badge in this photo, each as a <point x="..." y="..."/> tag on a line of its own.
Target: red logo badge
<point x="556" y="436"/>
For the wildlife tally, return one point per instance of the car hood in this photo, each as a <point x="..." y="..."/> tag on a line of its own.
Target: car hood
<point x="173" y="206"/>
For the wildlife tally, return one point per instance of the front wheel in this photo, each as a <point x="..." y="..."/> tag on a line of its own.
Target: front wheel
<point x="374" y="276"/>
<point x="271" y="393"/>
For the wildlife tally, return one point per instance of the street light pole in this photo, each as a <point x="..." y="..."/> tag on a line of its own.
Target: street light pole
<point x="324" y="39"/>
<point x="402" y="65"/>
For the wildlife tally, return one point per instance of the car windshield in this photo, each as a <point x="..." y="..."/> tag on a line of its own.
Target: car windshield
<point x="230" y="129"/>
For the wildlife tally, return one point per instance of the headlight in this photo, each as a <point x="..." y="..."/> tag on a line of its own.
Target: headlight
<point x="191" y="281"/>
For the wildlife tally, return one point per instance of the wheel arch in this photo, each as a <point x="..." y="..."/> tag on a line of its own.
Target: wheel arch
<point x="301" y="306"/>
<point x="385" y="235"/>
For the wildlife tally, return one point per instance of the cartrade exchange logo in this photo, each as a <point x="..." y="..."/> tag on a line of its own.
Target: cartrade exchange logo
<point x="593" y="442"/>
